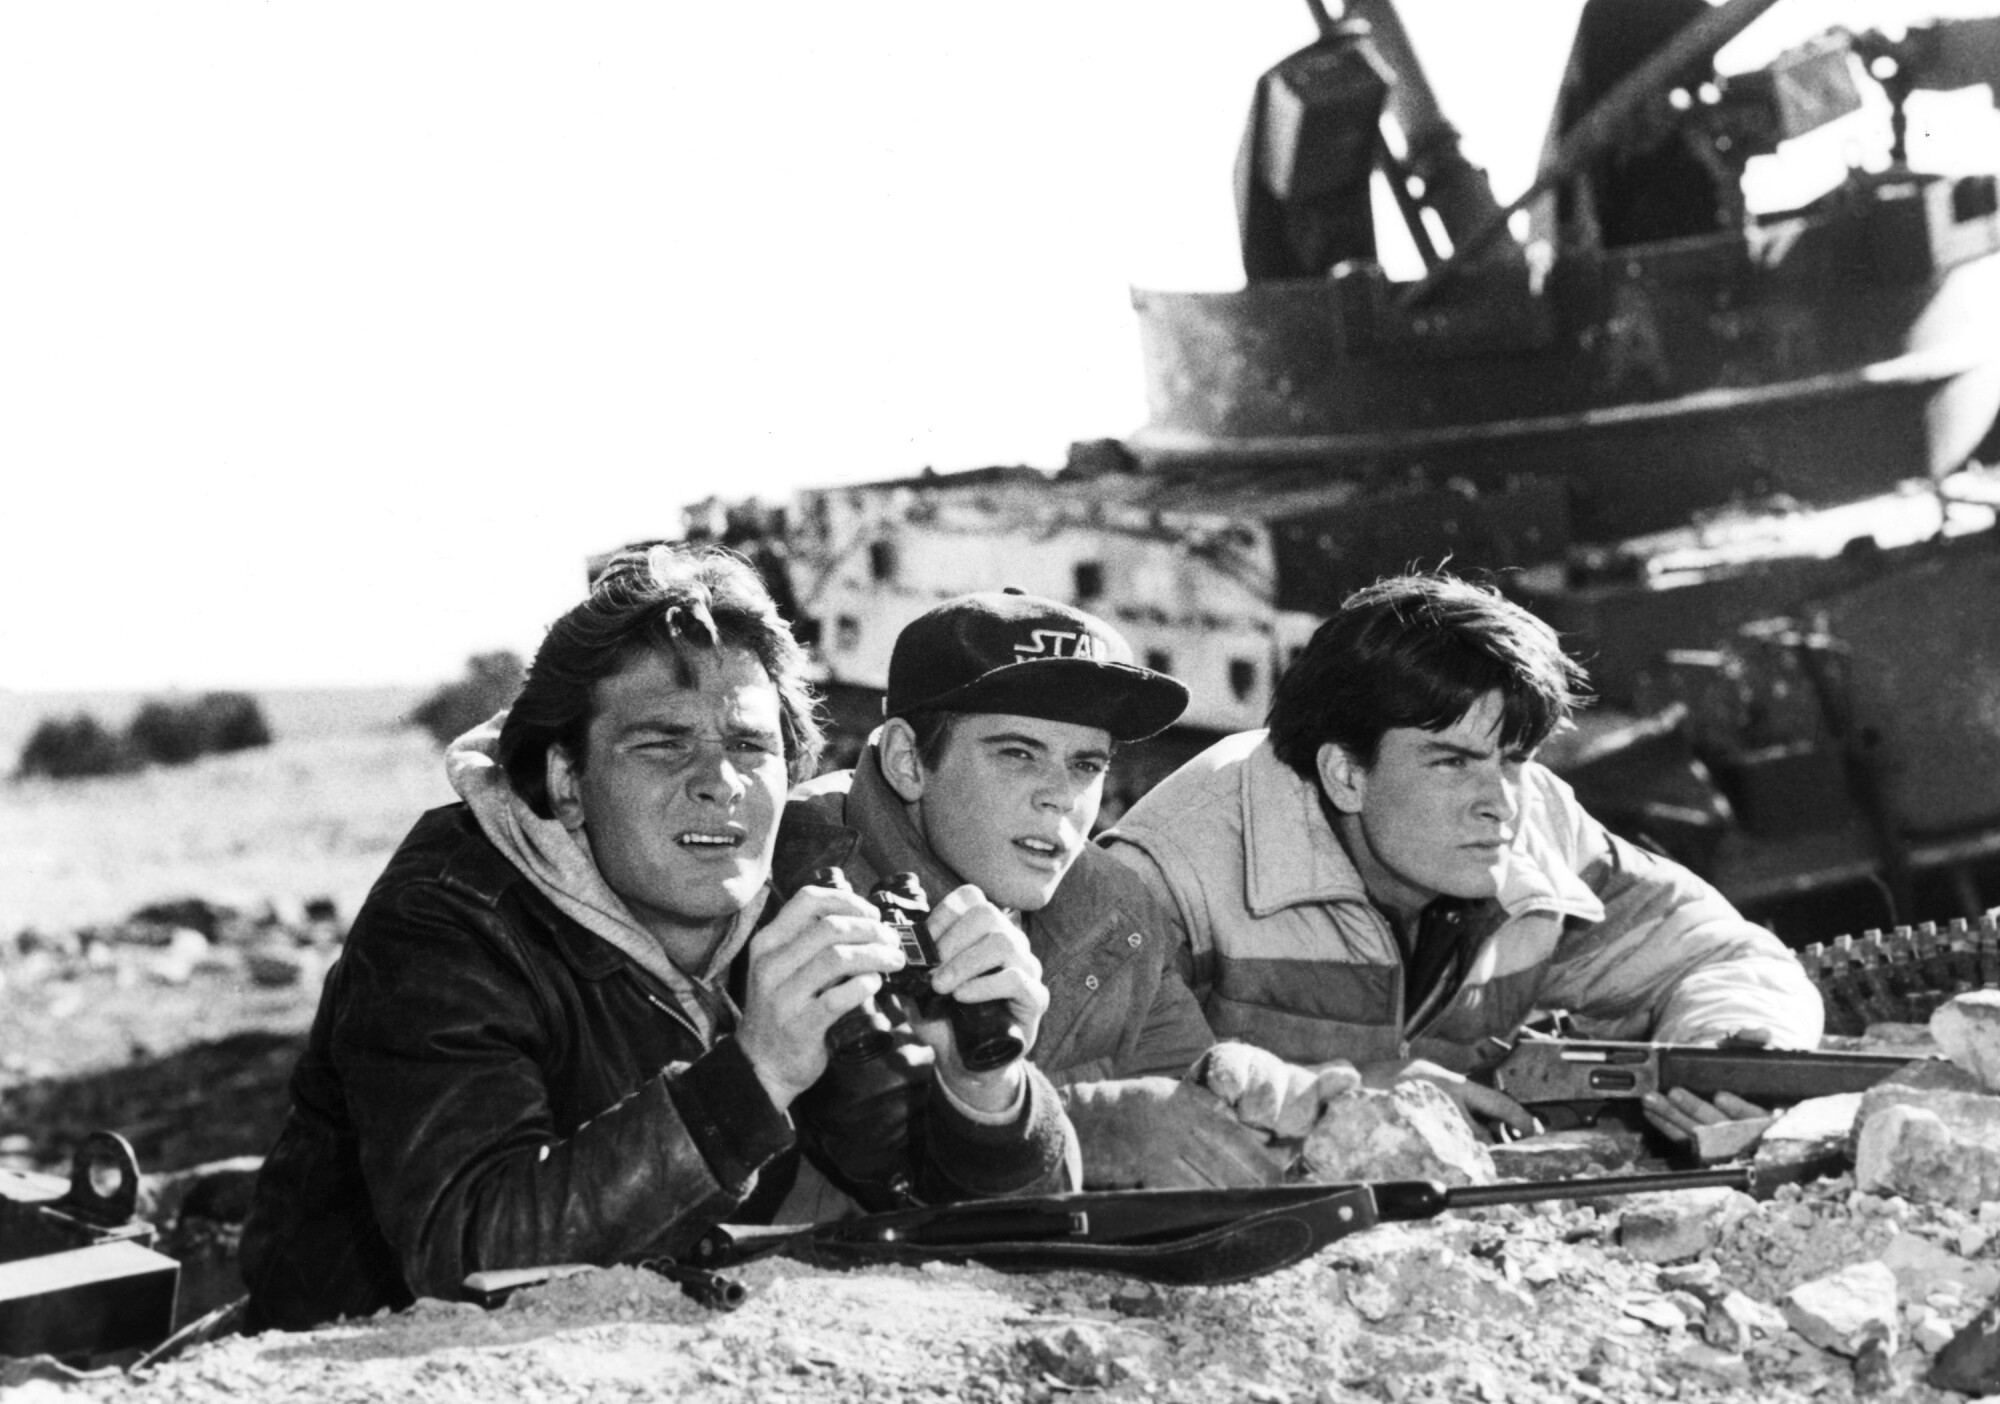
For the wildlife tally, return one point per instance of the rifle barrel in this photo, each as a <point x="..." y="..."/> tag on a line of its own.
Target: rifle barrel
<point x="1410" y="1200"/>
<point x="1742" y="1177"/>
<point x="711" y="1289"/>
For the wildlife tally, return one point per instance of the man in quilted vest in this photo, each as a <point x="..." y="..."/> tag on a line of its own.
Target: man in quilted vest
<point x="1386" y="875"/>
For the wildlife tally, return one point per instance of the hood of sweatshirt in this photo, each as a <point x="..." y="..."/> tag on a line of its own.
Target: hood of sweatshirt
<point x="560" y="864"/>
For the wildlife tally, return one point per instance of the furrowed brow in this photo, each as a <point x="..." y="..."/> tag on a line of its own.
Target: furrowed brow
<point x="656" y="727"/>
<point x="1453" y="748"/>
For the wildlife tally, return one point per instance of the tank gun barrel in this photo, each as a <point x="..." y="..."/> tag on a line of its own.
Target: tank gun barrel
<point x="1602" y="126"/>
<point x="1452" y="186"/>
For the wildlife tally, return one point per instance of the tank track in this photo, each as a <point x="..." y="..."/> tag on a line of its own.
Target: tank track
<point x="1902" y="976"/>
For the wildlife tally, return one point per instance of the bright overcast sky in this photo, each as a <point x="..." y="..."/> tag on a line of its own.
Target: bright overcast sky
<point x="334" y="336"/>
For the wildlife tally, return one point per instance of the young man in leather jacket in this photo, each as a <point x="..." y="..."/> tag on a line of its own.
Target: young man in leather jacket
<point x="1001" y="715"/>
<point x="571" y="1022"/>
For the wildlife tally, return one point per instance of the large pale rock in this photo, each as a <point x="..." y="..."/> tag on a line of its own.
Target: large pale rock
<point x="1671" y="1228"/>
<point x="1922" y="1159"/>
<point x="1914" y="1152"/>
<point x="1934" y="1083"/>
<point x="1411" y="1131"/>
<point x="1846" y="1310"/>
<point x="1967" y="1028"/>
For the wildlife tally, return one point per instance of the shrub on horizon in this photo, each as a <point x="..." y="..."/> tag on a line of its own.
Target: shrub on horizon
<point x="174" y="733"/>
<point x="491" y="681"/>
<point x="163" y="732"/>
<point x="73" y="748"/>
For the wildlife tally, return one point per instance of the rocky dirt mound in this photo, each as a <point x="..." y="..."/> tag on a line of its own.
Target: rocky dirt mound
<point x="1821" y="1292"/>
<point x="1515" y="1304"/>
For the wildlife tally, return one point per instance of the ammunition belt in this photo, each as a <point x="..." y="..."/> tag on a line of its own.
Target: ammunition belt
<point x="1901" y="976"/>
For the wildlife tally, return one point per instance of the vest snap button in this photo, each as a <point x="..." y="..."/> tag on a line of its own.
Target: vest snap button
<point x="1090" y="982"/>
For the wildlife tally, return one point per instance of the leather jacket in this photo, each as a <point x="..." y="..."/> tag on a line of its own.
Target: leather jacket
<point x="488" y="1084"/>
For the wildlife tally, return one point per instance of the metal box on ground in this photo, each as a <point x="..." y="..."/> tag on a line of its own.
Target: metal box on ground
<point x="78" y="1274"/>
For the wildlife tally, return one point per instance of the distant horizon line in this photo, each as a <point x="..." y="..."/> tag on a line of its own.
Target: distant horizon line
<point x="172" y="689"/>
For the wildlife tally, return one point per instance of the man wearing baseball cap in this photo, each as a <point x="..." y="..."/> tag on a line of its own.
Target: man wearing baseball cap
<point x="985" y="779"/>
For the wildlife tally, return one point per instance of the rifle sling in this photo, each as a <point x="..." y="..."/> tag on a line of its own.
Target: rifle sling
<point x="1183" y="1237"/>
<point x="1233" y="1251"/>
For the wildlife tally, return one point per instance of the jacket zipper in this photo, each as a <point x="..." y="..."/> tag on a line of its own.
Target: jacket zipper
<point x="676" y="1015"/>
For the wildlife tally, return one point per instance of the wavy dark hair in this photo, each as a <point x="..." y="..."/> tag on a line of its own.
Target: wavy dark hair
<point x="1419" y="650"/>
<point x="672" y="600"/>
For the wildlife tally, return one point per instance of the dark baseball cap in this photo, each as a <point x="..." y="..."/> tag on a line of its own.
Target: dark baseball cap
<point x="1026" y="656"/>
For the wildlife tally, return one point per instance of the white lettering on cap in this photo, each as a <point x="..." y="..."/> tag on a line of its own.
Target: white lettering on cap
<point x="1061" y="643"/>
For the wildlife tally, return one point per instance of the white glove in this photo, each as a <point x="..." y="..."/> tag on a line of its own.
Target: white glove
<point x="1269" y="1093"/>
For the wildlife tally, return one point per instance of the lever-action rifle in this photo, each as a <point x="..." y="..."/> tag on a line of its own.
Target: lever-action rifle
<point x="1568" y="1082"/>
<point x="1180" y="1237"/>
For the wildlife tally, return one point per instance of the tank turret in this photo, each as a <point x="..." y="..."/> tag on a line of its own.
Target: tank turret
<point x="1728" y="450"/>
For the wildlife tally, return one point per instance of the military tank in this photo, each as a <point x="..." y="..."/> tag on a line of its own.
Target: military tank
<point x="1730" y="453"/>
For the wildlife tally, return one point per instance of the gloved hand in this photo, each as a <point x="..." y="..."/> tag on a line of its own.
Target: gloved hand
<point x="1269" y="1093"/>
<point x="1157" y="1133"/>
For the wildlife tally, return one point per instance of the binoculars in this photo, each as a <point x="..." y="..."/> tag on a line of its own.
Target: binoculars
<point x="985" y="1031"/>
